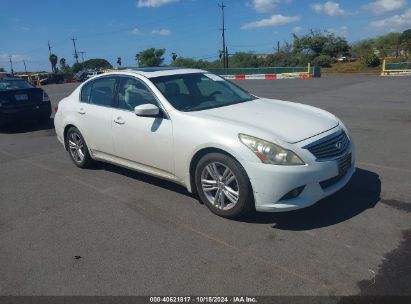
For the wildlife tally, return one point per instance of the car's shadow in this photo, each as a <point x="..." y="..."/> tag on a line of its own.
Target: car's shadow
<point x="141" y="177"/>
<point x="27" y="127"/>
<point x="361" y="193"/>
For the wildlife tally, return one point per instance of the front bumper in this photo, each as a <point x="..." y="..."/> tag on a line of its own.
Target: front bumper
<point x="22" y="114"/>
<point x="270" y="183"/>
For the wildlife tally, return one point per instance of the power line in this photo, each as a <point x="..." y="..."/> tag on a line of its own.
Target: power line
<point x="223" y="29"/>
<point x="11" y="65"/>
<point x="25" y="68"/>
<point x="82" y="55"/>
<point x="75" y="49"/>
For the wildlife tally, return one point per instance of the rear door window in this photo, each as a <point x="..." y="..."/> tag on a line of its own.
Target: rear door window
<point x="86" y="92"/>
<point x="102" y="91"/>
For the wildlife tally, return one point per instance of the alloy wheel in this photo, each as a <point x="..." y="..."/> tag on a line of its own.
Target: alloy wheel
<point x="220" y="186"/>
<point x="76" y="147"/>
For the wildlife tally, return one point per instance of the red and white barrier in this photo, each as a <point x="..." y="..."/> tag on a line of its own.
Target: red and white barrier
<point x="267" y="76"/>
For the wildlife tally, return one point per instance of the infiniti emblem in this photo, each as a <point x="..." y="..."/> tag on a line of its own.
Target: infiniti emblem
<point x="339" y="145"/>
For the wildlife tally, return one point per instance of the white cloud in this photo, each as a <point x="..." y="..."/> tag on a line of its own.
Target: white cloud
<point x="274" y="20"/>
<point x="135" y="31"/>
<point x="297" y="29"/>
<point x="394" y="23"/>
<point x="264" y="6"/>
<point x="154" y="3"/>
<point x="329" y="8"/>
<point x="14" y="57"/>
<point x="162" y="32"/>
<point x="342" y="31"/>
<point x="383" y="6"/>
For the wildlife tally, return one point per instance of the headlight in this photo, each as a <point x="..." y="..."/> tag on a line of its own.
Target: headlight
<point x="270" y="153"/>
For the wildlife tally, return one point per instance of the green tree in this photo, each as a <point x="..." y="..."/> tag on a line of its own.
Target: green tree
<point x="385" y="45"/>
<point x="246" y="60"/>
<point x="64" y="67"/>
<point x="137" y="59"/>
<point x="336" y="46"/>
<point x="196" y="64"/>
<point x="405" y="40"/>
<point x="174" y="56"/>
<point x="371" y="60"/>
<point x="62" y="63"/>
<point x="151" y="57"/>
<point x="53" y="60"/>
<point x="388" y="41"/>
<point x="77" y="67"/>
<point x="97" y="64"/>
<point x="2" y="70"/>
<point x="362" y="48"/>
<point x="324" y="61"/>
<point x="317" y="43"/>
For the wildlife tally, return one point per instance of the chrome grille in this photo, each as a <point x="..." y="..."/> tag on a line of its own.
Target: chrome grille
<point x="331" y="146"/>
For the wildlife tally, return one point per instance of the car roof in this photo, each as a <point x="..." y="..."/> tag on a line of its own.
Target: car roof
<point x="157" y="71"/>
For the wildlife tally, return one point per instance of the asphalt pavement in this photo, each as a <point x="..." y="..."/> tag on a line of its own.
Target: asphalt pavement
<point x="112" y="231"/>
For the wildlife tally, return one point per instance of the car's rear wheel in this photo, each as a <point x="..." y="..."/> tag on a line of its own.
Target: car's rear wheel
<point x="78" y="149"/>
<point x="223" y="185"/>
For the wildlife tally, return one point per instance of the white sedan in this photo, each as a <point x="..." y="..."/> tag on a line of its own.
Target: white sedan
<point x="238" y="152"/>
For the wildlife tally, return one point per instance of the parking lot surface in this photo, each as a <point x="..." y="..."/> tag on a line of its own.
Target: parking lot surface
<point x="111" y="231"/>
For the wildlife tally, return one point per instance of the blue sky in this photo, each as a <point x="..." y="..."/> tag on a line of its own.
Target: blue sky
<point x="108" y="29"/>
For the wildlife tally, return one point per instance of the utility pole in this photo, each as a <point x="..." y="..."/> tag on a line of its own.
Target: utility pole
<point x="82" y="56"/>
<point x="226" y="56"/>
<point x="48" y="42"/>
<point x="11" y="65"/>
<point x="25" y="68"/>
<point x="222" y="6"/>
<point x="75" y="49"/>
<point x="278" y="47"/>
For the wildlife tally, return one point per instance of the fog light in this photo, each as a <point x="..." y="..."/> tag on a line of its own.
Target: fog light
<point x="293" y="193"/>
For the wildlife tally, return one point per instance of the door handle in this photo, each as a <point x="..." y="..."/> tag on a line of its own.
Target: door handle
<point x="81" y="111"/>
<point x="119" y="121"/>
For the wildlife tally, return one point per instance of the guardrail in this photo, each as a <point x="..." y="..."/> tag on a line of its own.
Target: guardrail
<point x="396" y="68"/>
<point x="268" y="73"/>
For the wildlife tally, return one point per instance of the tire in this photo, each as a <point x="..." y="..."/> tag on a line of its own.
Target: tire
<point x="77" y="148"/>
<point x="227" y="191"/>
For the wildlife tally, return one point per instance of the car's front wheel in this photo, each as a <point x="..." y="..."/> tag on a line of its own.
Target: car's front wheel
<point x="223" y="185"/>
<point x="78" y="149"/>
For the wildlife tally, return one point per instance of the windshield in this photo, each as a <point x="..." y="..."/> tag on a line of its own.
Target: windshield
<point x="14" y="84"/>
<point x="198" y="91"/>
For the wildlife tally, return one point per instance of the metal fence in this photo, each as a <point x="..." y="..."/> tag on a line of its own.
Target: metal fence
<point x="396" y="68"/>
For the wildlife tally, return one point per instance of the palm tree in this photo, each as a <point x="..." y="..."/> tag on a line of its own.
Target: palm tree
<point x="63" y="63"/>
<point x="53" y="60"/>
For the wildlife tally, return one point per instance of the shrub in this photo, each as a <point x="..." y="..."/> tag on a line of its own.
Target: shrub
<point x="323" y="61"/>
<point x="371" y="60"/>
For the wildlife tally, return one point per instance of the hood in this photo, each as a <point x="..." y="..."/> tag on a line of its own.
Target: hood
<point x="288" y="121"/>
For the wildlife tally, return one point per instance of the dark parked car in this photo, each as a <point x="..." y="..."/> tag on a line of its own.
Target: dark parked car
<point x="21" y="101"/>
<point x="52" y="78"/>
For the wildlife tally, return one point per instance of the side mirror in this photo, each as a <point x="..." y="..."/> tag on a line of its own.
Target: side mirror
<point x="147" y="110"/>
